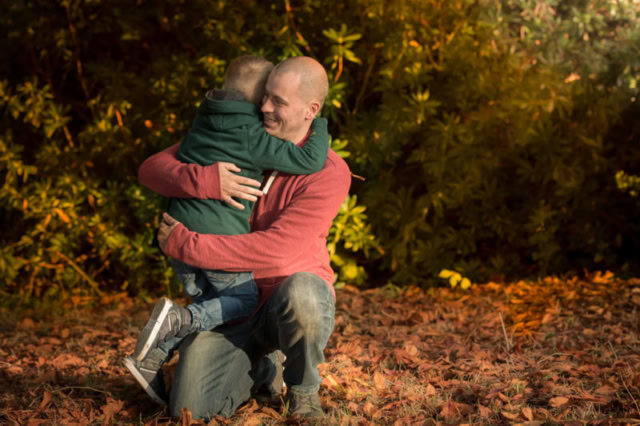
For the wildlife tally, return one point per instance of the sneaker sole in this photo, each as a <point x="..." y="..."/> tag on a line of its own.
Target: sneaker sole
<point x="158" y="315"/>
<point x="128" y="362"/>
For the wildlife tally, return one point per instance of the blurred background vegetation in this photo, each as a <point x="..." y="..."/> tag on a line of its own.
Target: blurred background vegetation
<point x="498" y="138"/>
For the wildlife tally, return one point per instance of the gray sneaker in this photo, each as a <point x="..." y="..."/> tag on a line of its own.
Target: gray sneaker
<point x="149" y="374"/>
<point x="304" y="405"/>
<point x="167" y="320"/>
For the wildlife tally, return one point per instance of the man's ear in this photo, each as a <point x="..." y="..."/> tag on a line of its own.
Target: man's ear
<point x="312" y="110"/>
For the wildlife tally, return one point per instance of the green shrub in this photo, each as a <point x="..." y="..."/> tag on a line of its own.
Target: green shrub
<point x="489" y="133"/>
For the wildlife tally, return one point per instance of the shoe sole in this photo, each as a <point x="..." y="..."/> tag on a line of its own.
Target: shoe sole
<point x="128" y="362"/>
<point x="158" y="316"/>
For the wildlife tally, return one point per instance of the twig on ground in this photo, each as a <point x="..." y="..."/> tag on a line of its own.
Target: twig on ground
<point x="82" y="387"/>
<point x="630" y="394"/>
<point x="504" y="330"/>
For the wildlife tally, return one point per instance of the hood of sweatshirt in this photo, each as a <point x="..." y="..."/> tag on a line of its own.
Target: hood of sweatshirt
<point x="227" y="109"/>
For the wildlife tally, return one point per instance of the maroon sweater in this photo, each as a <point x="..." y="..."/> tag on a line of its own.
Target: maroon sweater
<point x="289" y="225"/>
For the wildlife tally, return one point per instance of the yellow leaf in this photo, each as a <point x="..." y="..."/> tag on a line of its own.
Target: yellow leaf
<point x="445" y="273"/>
<point x="465" y="284"/>
<point x="454" y="280"/>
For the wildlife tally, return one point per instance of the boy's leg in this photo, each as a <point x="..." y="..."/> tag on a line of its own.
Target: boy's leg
<point x="230" y="296"/>
<point x="168" y="324"/>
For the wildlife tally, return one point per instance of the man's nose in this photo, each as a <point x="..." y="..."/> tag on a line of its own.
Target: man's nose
<point x="267" y="106"/>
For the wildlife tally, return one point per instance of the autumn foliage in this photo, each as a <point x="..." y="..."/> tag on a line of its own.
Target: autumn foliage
<point x="544" y="352"/>
<point x="496" y="137"/>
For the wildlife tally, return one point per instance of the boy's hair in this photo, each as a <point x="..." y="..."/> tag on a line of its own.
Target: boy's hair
<point x="248" y="75"/>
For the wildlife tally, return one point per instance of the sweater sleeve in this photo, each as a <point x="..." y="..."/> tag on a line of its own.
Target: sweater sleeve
<point x="270" y="252"/>
<point x="164" y="174"/>
<point x="271" y="153"/>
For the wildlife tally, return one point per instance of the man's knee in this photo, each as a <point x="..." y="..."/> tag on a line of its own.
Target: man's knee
<point x="309" y="301"/>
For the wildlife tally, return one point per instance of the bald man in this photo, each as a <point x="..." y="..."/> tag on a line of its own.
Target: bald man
<point x="220" y="370"/>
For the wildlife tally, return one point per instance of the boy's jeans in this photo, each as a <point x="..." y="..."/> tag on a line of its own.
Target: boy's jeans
<point x="217" y="297"/>
<point x="218" y="370"/>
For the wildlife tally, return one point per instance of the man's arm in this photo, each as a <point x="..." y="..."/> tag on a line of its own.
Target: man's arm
<point x="164" y="174"/>
<point x="274" y="251"/>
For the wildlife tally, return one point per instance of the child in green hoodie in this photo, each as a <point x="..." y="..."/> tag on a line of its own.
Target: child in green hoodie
<point x="227" y="127"/>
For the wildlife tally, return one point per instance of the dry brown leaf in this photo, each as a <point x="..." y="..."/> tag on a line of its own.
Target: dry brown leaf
<point x="527" y="413"/>
<point x="448" y="411"/>
<point x="46" y="399"/>
<point x="379" y="381"/>
<point x="111" y="408"/>
<point x="558" y="401"/>
<point x="510" y="416"/>
<point x="369" y="409"/>
<point x="252" y="420"/>
<point x="485" y="412"/>
<point x="430" y="391"/>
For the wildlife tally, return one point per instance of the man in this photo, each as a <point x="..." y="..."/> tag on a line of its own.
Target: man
<point x="221" y="369"/>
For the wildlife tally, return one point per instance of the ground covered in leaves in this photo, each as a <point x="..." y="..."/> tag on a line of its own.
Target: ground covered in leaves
<point x="548" y="352"/>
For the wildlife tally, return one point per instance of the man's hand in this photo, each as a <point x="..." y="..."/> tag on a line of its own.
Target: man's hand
<point x="232" y="185"/>
<point x="166" y="226"/>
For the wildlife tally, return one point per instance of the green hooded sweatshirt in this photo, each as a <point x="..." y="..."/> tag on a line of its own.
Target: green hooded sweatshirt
<point x="231" y="130"/>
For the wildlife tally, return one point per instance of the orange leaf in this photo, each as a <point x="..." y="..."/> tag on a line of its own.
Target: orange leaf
<point x="485" y="412"/>
<point x="430" y="391"/>
<point x="369" y="409"/>
<point x="510" y="416"/>
<point x="448" y="411"/>
<point x="558" y="401"/>
<point x="379" y="380"/>
<point x="46" y="399"/>
<point x="528" y="413"/>
<point x="63" y="216"/>
<point x="111" y="408"/>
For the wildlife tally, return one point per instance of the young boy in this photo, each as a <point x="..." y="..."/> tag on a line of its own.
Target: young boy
<point x="227" y="127"/>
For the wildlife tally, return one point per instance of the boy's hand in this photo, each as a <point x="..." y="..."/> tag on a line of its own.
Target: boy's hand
<point x="166" y="226"/>
<point x="232" y="185"/>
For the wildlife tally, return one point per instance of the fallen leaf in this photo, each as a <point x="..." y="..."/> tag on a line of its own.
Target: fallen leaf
<point x="111" y="408"/>
<point x="369" y="409"/>
<point x="485" y="412"/>
<point x="527" y="413"/>
<point x="430" y="391"/>
<point x="379" y="381"/>
<point x="605" y="390"/>
<point x="46" y="399"/>
<point x="558" y="401"/>
<point x="510" y="416"/>
<point x="448" y="411"/>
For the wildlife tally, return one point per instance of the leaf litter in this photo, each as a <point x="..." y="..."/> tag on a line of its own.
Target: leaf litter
<point x="555" y="351"/>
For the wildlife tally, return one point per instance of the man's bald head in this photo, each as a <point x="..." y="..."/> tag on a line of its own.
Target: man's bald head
<point x="311" y="77"/>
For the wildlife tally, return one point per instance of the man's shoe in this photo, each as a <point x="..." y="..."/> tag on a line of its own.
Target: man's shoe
<point x="149" y="374"/>
<point x="271" y="390"/>
<point x="167" y="320"/>
<point x="304" y="405"/>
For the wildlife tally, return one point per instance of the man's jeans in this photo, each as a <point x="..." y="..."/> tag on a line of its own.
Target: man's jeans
<point x="218" y="370"/>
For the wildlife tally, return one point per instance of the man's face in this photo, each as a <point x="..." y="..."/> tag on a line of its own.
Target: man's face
<point x="286" y="114"/>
